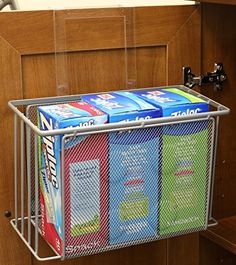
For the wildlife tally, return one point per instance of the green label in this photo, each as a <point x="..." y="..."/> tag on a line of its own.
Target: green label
<point x="134" y="209"/>
<point x="184" y="182"/>
<point x="190" y="97"/>
<point x="87" y="227"/>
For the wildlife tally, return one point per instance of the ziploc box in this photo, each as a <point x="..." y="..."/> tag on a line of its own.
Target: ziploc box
<point x="133" y="168"/>
<point x="184" y="161"/>
<point x="85" y="179"/>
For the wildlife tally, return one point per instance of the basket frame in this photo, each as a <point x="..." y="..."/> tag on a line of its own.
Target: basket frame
<point x="28" y="128"/>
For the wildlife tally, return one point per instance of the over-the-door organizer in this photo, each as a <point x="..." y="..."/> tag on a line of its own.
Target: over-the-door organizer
<point x="95" y="188"/>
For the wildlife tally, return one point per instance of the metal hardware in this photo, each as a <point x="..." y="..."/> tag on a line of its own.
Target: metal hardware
<point x="212" y="222"/>
<point x="12" y="3"/>
<point x="7" y="214"/>
<point x="217" y="77"/>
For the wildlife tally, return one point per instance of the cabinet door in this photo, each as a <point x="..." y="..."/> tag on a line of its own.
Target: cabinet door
<point x="167" y="38"/>
<point x="219" y="42"/>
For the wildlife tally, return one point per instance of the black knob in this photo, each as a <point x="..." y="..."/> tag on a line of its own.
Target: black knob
<point x="7" y="214"/>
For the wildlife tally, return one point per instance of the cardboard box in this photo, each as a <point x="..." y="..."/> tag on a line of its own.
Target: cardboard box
<point x="184" y="161"/>
<point x="122" y="106"/>
<point x="134" y="160"/>
<point x="173" y="101"/>
<point x="86" y="225"/>
<point x="184" y="177"/>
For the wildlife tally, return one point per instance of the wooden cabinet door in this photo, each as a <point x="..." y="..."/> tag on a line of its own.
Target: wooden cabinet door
<point x="219" y="42"/>
<point x="167" y="38"/>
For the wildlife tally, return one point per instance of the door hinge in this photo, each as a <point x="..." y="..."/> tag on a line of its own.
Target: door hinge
<point x="217" y="77"/>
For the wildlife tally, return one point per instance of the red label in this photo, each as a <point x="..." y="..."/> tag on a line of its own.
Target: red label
<point x="48" y="230"/>
<point x="87" y="150"/>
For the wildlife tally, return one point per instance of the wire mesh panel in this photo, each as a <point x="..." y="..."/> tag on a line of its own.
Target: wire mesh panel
<point x="86" y="193"/>
<point x="186" y="157"/>
<point x="130" y="187"/>
<point x="32" y="115"/>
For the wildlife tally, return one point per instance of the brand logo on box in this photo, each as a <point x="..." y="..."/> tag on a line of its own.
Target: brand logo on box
<point x="106" y="96"/>
<point x="87" y="123"/>
<point x="106" y="104"/>
<point x="157" y="98"/>
<point x="156" y="92"/>
<point x="137" y="119"/>
<point x="187" y="112"/>
<point x="48" y="152"/>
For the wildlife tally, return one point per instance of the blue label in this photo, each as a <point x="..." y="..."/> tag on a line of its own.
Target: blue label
<point x="134" y="176"/>
<point x="185" y="110"/>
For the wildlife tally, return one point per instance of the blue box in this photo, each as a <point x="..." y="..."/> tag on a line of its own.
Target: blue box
<point x="134" y="159"/>
<point x="184" y="162"/>
<point x="122" y="106"/>
<point x="173" y="101"/>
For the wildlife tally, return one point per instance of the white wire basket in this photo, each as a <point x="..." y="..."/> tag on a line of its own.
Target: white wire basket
<point x="166" y="203"/>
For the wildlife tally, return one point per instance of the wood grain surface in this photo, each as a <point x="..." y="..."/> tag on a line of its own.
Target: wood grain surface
<point x="12" y="250"/>
<point x="212" y="254"/>
<point x="32" y="32"/>
<point x="218" y="45"/>
<point x="183" y="250"/>
<point x="223" y="234"/>
<point x="225" y="2"/>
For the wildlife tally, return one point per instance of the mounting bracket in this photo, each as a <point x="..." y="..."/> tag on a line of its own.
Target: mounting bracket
<point x="217" y="77"/>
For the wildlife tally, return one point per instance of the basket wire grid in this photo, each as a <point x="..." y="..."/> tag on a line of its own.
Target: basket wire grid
<point x="156" y="197"/>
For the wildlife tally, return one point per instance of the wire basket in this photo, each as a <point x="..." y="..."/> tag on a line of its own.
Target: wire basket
<point x="120" y="184"/>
